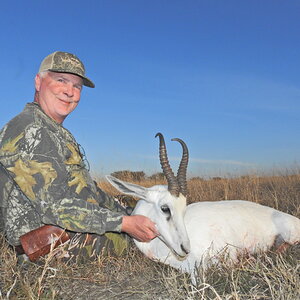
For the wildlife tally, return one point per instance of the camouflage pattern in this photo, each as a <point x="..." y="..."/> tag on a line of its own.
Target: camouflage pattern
<point x="65" y="62"/>
<point x="53" y="184"/>
<point x="85" y="247"/>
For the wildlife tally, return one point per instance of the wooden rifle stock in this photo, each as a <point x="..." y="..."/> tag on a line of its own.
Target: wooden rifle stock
<point x="38" y="242"/>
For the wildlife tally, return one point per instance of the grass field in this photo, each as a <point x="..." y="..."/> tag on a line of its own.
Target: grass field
<point x="265" y="276"/>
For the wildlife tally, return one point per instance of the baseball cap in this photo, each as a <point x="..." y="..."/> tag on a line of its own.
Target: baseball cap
<point x="64" y="62"/>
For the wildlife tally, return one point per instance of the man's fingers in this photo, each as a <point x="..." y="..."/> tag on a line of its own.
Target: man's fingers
<point x="140" y="227"/>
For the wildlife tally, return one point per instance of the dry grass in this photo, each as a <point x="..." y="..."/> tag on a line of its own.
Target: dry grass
<point x="267" y="276"/>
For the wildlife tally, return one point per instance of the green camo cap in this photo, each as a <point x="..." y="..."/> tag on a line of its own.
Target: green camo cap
<point x="64" y="62"/>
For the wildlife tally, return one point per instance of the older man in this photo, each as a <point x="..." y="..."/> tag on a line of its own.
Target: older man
<point x="44" y="178"/>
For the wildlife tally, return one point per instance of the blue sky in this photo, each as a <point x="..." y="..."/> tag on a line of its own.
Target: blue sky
<point x="221" y="75"/>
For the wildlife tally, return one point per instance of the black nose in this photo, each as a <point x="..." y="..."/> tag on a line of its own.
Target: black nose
<point x="184" y="250"/>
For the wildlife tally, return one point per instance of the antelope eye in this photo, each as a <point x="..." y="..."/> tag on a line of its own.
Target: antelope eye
<point x="165" y="209"/>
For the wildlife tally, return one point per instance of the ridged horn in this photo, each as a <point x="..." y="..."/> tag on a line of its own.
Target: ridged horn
<point x="181" y="173"/>
<point x="173" y="186"/>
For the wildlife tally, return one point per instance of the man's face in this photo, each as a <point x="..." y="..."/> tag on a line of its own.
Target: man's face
<point x="58" y="94"/>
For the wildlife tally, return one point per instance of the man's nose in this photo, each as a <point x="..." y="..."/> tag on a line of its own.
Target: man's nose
<point x="69" y="91"/>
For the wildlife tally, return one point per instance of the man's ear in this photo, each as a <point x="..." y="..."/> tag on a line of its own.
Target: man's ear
<point x="37" y="81"/>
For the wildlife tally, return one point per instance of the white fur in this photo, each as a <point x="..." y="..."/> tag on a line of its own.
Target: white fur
<point x="207" y="229"/>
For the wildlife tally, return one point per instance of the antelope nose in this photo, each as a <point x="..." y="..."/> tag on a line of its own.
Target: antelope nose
<point x="186" y="251"/>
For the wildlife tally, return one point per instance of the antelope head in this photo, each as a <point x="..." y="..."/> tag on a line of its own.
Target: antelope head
<point x="164" y="205"/>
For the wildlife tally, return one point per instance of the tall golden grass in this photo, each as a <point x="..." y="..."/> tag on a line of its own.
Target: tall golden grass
<point x="281" y="191"/>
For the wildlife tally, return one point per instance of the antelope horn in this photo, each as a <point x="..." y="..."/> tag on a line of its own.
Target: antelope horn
<point x="173" y="186"/>
<point x="181" y="173"/>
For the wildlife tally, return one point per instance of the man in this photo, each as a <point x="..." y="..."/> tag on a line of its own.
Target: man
<point x="44" y="179"/>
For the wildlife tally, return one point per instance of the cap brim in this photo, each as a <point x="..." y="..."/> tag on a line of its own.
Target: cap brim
<point x="86" y="82"/>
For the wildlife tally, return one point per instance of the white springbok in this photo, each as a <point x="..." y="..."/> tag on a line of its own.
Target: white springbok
<point x="201" y="232"/>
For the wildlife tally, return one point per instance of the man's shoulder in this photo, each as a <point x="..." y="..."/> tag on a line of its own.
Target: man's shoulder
<point x="21" y="121"/>
<point x="20" y="124"/>
<point x="32" y="121"/>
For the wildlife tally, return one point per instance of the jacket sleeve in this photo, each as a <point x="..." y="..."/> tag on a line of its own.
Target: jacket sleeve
<point x="50" y="170"/>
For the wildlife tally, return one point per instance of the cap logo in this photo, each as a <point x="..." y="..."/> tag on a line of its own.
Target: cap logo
<point x="68" y="63"/>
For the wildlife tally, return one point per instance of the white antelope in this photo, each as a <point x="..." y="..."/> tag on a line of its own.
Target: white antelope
<point x="201" y="232"/>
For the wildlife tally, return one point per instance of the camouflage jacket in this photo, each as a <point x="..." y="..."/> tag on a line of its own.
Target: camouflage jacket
<point x="46" y="163"/>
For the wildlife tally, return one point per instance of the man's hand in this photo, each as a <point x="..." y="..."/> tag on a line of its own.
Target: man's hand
<point x="139" y="227"/>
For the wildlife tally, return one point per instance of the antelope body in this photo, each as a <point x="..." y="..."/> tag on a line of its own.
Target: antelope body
<point x="202" y="232"/>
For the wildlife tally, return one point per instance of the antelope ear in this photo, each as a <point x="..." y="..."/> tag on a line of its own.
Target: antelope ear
<point x="128" y="188"/>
